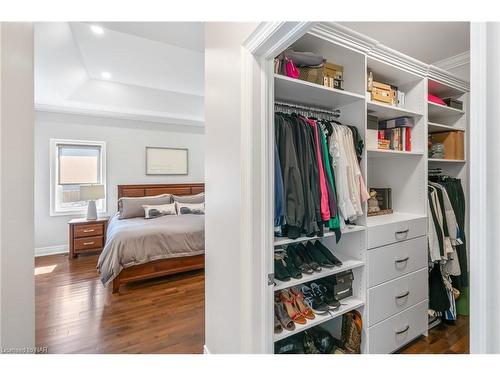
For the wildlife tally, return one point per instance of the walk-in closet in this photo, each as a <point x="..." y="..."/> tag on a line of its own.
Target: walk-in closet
<point x="407" y="123"/>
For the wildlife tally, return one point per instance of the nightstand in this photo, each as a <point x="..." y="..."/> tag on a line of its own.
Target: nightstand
<point x="87" y="235"/>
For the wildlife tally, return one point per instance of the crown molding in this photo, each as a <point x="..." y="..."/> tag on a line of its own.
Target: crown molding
<point x="438" y="74"/>
<point x="154" y="117"/>
<point x="454" y="61"/>
<point x="266" y="40"/>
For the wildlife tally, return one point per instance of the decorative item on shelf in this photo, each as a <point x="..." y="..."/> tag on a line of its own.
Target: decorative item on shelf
<point x="369" y="84"/>
<point x="401" y="99"/>
<point x="453" y="143"/>
<point x="91" y="193"/>
<point x="394" y="95"/>
<point x="373" y="203"/>
<point x="384" y="201"/>
<point x="454" y="103"/>
<point x="166" y="161"/>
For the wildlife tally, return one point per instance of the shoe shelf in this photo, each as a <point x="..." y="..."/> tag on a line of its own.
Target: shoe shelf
<point x="303" y="92"/>
<point x="347" y="264"/>
<point x="347" y="304"/>
<point x="281" y="241"/>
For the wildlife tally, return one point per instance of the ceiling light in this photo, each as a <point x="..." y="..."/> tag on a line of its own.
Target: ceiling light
<point x="97" y="29"/>
<point x="106" y="75"/>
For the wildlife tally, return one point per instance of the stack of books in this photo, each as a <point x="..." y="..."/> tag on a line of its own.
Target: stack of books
<point x="395" y="134"/>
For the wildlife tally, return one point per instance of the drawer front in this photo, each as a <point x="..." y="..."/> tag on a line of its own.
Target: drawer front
<point x="399" y="259"/>
<point x="399" y="330"/>
<point x="397" y="295"/>
<point x="88" y="243"/>
<point x="386" y="234"/>
<point x="89" y="230"/>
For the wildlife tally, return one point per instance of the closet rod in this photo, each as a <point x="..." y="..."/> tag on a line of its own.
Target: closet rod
<point x="334" y="112"/>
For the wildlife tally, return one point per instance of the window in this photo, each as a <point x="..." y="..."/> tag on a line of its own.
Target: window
<point x="73" y="164"/>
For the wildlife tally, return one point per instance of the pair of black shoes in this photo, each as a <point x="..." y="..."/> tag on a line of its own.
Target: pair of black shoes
<point x="323" y="255"/>
<point x="284" y="267"/>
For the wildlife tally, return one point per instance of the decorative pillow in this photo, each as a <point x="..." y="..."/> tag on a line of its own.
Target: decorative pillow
<point x="190" y="208"/>
<point x="130" y="207"/>
<point x="152" y="211"/>
<point x="197" y="198"/>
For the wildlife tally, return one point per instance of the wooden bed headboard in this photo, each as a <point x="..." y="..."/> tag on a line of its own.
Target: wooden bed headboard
<point x="145" y="190"/>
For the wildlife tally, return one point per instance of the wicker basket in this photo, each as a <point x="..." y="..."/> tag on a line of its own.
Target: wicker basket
<point x="313" y="75"/>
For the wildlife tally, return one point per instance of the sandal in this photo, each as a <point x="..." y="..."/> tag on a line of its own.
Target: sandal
<point x="299" y="300"/>
<point x="283" y="318"/>
<point x="291" y="309"/>
<point x="278" y="328"/>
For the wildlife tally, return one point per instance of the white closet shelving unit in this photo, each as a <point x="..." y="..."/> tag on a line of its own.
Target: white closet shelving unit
<point x="387" y="253"/>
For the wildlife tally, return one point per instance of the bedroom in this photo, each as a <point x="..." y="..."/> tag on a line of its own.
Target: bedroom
<point x="113" y="101"/>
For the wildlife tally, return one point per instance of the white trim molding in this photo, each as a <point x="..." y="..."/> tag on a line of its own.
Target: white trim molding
<point x="155" y="117"/>
<point x="454" y="61"/>
<point x="51" y="250"/>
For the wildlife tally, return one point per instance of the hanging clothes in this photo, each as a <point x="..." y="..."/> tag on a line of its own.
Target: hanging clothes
<point x="446" y="204"/>
<point x="310" y="178"/>
<point x="279" y="212"/>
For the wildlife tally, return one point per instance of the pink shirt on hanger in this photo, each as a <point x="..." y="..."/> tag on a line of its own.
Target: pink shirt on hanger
<point x="325" y="208"/>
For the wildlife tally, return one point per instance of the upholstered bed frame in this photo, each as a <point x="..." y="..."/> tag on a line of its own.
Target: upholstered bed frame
<point x="160" y="267"/>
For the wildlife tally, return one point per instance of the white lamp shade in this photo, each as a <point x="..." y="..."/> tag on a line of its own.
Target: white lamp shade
<point x="91" y="192"/>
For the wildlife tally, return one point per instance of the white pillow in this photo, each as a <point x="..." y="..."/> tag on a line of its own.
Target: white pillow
<point x="152" y="211"/>
<point x="190" y="208"/>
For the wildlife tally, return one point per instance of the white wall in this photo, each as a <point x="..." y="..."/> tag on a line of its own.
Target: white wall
<point x="17" y="290"/>
<point x="223" y="185"/>
<point x="125" y="162"/>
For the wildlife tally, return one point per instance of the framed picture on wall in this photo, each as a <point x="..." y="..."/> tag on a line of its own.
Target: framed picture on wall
<point x="166" y="161"/>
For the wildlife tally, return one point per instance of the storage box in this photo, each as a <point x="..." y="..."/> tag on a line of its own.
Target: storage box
<point x="381" y="92"/>
<point x="453" y="142"/>
<point x="454" y="103"/>
<point x="313" y="75"/>
<point x="334" y="76"/>
<point x="343" y="284"/>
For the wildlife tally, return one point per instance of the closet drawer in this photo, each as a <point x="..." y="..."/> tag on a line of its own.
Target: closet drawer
<point x="393" y="333"/>
<point x="391" y="261"/>
<point x="397" y="295"/>
<point x="386" y="234"/>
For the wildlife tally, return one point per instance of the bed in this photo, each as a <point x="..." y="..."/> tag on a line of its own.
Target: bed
<point x="139" y="249"/>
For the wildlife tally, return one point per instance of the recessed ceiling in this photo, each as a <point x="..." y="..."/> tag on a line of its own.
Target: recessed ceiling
<point x="428" y="42"/>
<point x="129" y="68"/>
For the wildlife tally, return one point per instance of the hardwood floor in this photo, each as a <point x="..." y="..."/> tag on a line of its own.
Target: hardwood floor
<point x="443" y="339"/>
<point x="75" y="313"/>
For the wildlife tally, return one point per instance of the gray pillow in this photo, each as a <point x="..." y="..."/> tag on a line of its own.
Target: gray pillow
<point x="130" y="207"/>
<point x="197" y="198"/>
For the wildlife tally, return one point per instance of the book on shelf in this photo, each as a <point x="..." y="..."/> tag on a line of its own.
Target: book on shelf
<point x="398" y="139"/>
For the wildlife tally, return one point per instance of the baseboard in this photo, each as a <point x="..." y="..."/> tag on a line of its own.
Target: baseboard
<point x="205" y="350"/>
<point x="51" y="250"/>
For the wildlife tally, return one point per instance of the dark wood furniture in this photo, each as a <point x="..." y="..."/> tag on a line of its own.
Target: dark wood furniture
<point x="87" y="235"/>
<point x="161" y="267"/>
